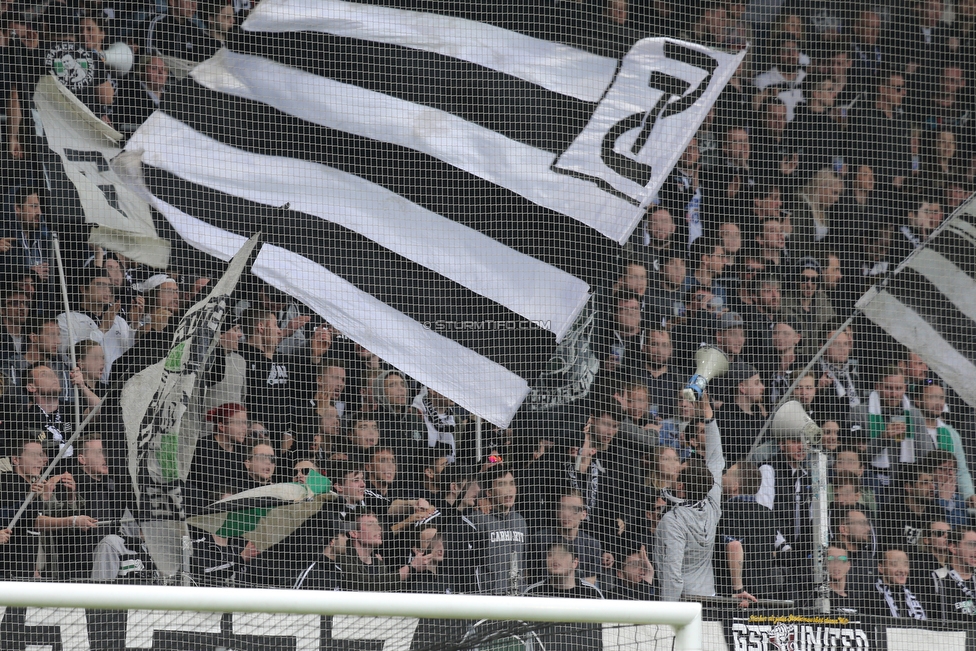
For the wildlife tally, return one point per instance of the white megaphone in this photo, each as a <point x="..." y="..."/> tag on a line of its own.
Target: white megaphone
<point x="792" y="421"/>
<point x="710" y="363"/>
<point x="118" y="57"/>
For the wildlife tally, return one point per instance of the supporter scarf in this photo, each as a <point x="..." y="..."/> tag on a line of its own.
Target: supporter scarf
<point x="440" y="427"/>
<point x="944" y="437"/>
<point x="876" y="419"/>
<point x="915" y="610"/>
<point x="963" y="584"/>
<point x="843" y="382"/>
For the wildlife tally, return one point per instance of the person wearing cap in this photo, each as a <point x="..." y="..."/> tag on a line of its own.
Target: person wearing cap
<point x="810" y="306"/>
<point x="742" y="416"/>
<point x="97" y="319"/>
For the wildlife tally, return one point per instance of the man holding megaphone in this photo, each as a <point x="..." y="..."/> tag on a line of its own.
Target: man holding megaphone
<point x="685" y="536"/>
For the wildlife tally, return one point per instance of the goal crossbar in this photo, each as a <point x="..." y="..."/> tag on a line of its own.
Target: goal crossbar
<point x="684" y="618"/>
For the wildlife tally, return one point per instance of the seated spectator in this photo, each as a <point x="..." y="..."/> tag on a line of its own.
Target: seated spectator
<point x="503" y="532"/>
<point x="746" y="535"/>
<point x="174" y="34"/>
<point x="139" y="95"/>
<point x="97" y="553"/>
<point x="570" y="514"/>
<point x="19" y="557"/>
<point x="890" y="596"/>
<point x="845" y="491"/>
<point x="842" y="601"/>
<point x="632" y="579"/>
<point x="955" y="585"/>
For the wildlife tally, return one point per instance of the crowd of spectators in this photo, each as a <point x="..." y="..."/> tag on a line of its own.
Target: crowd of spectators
<point x="841" y="143"/>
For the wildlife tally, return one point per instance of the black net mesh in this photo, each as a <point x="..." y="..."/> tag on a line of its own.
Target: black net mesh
<point x="599" y="299"/>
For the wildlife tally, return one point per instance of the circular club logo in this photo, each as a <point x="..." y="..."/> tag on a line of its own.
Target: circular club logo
<point x="72" y="64"/>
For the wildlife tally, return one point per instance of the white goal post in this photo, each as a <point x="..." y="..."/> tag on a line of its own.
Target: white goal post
<point x="684" y="618"/>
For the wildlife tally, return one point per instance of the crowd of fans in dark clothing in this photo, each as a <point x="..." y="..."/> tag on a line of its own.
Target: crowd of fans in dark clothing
<point x="839" y="146"/>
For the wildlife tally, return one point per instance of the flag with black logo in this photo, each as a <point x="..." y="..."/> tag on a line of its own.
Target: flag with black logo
<point x="929" y="303"/>
<point x="442" y="190"/>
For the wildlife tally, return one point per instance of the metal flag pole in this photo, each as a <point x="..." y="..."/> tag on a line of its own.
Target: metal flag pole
<point x="50" y="468"/>
<point x="67" y="320"/>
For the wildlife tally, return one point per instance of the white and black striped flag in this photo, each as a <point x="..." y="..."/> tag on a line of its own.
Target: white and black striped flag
<point x="453" y="187"/>
<point x="929" y="303"/>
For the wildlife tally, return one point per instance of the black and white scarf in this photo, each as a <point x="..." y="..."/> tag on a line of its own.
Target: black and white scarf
<point x="915" y="610"/>
<point x="843" y="381"/>
<point x="440" y="426"/>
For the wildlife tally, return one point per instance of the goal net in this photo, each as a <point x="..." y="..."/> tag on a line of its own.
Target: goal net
<point x="136" y="617"/>
<point x="628" y="303"/>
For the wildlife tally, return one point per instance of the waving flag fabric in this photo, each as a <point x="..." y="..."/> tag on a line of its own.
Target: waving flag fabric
<point x="443" y="191"/>
<point x="929" y="303"/>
